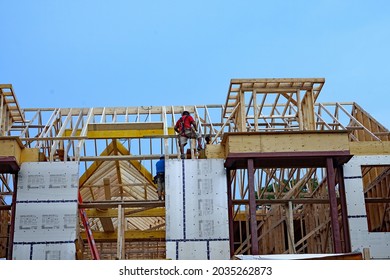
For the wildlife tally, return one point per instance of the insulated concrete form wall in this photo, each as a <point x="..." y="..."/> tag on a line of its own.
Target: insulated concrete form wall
<point x="46" y="211"/>
<point x="197" y="226"/>
<point x="377" y="242"/>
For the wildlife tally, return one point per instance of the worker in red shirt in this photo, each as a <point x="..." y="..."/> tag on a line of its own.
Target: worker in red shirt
<point x="186" y="127"/>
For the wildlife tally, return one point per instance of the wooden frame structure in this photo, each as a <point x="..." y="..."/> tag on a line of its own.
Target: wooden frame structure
<point x="275" y="207"/>
<point x="287" y="193"/>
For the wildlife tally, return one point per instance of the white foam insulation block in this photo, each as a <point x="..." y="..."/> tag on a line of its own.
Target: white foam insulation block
<point x="377" y="242"/>
<point x="46" y="211"/>
<point x="196" y="210"/>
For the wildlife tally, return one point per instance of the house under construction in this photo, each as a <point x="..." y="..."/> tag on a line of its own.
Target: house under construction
<point x="280" y="174"/>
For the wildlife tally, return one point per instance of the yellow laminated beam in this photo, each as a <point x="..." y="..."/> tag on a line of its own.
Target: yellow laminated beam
<point x="95" y="165"/>
<point x="68" y="132"/>
<point x="129" y="235"/>
<point x="113" y="213"/>
<point x="136" y="164"/>
<point x="11" y="146"/>
<point x="127" y="133"/>
<point x="272" y="142"/>
<point x="370" y="148"/>
<point x="123" y="130"/>
<point x="123" y="151"/>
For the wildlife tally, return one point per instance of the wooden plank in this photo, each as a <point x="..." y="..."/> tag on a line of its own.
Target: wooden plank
<point x="278" y="80"/>
<point x="6" y="86"/>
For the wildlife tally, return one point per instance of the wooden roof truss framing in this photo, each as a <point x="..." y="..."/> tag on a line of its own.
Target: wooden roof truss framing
<point x="117" y="171"/>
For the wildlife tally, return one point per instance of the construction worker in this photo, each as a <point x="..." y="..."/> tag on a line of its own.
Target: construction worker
<point x="186" y="127"/>
<point x="160" y="177"/>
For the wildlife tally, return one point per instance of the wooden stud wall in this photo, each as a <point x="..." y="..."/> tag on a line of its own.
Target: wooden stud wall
<point x="148" y="250"/>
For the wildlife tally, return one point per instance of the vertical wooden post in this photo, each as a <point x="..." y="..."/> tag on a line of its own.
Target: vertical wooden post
<point x="300" y="115"/>
<point x="333" y="205"/>
<point x="120" y="252"/>
<point x="2" y="116"/>
<point x="344" y="211"/>
<point x="164" y="119"/>
<point x="255" y="111"/>
<point x="290" y="228"/>
<point x="307" y="107"/>
<point x="252" y="209"/>
<point x="107" y="188"/>
<point x="241" y="119"/>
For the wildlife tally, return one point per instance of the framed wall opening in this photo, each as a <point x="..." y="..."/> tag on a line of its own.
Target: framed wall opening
<point x="376" y="186"/>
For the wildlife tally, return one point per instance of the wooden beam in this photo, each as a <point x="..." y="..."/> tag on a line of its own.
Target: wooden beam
<point x="94" y="166"/>
<point x="125" y="126"/>
<point x="111" y="213"/>
<point x="124" y="130"/>
<point x="290" y="228"/>
<point x="262" y="142"/>
<point x="128" y="133"/>
<point x="137" y="165"/>
<point x="11" y="147"/>
<point x="278" y="80"/>
<point x="130" y="235"/>
<point x="370" y="148"/>
<point x="118" y="169"/>
<point x="107" y="189"/>
<point x="107" y="221"/>
<point x="125" y="203"/>
<point x="120" y="253"/>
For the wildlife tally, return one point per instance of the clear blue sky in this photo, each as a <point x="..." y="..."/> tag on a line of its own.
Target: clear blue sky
<point x="88" y="53"/>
